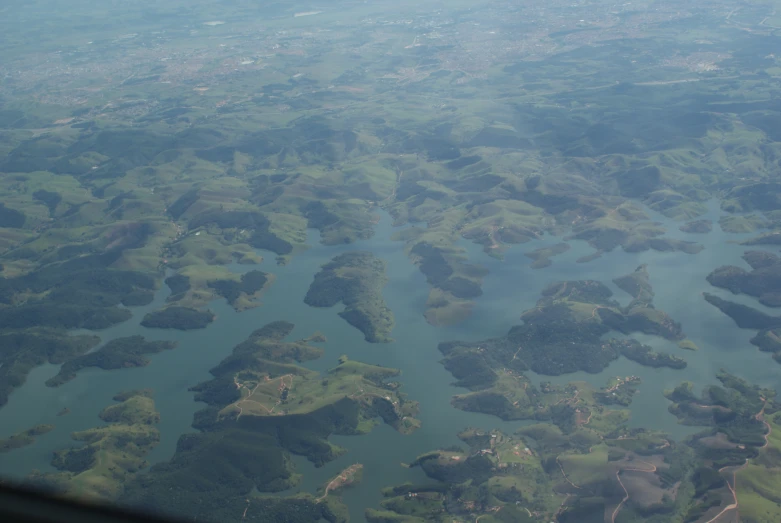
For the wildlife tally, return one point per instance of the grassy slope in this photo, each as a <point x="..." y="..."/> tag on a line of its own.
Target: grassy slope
<point x="116" y="451"/>
<point x="759" y="483"/>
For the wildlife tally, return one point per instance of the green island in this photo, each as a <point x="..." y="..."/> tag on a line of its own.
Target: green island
<point x="110" y="455"/>
<point x="763" y="281"/>
<point x="356" y="279"/>
<point x="769" y="340"/>
<point x="542" y="256"/>
<point x="697" y="227"/>
<point x="239" y="293"/>
<point x="27" y="349"/>
<point x="24" y="438"/>
<point x="181" y="318"/>
<point x="115" y="354"/>
<point x="564" y="333"/>
<point x="260" y="408"/>
<point x="744" y="316"/>
<point x="644" y="355"/>
<point x="350" y="476"/>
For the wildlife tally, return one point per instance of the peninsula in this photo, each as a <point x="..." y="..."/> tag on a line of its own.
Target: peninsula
<point x="356" y="279"/>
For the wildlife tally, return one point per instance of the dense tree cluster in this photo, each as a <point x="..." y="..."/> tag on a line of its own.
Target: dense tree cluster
<point x="115" y="354"/>
<point x="22" y="351"/>
<point x="250" y="283"/>
<point x="24" y="438"/>
<point x="744" y="316"/>
<point x="356" y="279"/>
<point x="181" y="318"/>
<point x="762" y="282"/>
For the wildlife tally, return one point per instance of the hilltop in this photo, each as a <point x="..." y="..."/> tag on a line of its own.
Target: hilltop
<point x="115" y="354"/>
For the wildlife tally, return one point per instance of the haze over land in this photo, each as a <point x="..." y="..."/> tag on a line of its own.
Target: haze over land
<point x="394" y="261"/>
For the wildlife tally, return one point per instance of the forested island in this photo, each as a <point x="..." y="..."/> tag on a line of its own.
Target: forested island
<point x="744" y="316"/>
<point x="248" y="285"/>
<point x="542" y="256"/>
<point x="24" y="438"/>
<point x="645" y="355"/>
<point x="356" y="279"/>
<point x="769" y="340"/>
<point x="762" y="282"/>
<point x="564" y="334"/>
<point x="24" y="350"/>
<point x="115" y="354"/>
<point x="454" y="282"/>
<point x="180" y="318"/>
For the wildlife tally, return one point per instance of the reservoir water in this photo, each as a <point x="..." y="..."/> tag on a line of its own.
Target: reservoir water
<point x="511" y="287"/>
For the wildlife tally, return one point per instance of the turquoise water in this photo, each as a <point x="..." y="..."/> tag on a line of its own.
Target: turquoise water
<point x="510" y="288"/>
